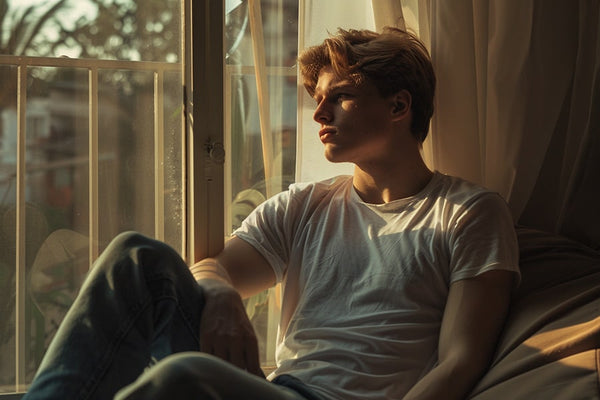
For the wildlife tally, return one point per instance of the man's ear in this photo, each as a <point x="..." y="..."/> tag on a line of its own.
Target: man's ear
<point x="401" y="104"/>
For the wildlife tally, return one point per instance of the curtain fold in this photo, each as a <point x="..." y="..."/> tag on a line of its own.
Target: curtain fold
<point x="517" y="90"/>
<point x="572" y="166"/>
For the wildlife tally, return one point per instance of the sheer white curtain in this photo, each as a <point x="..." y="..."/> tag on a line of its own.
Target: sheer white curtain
<point x="517" y="103"/>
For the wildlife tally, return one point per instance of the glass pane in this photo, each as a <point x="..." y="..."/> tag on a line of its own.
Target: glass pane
<point x="244" y="134"/>
<point x="139" y="185"/>
<point x="248" y="181"/>
<point x="252" y="172"/>
<point x="126" y="152"/>
<point x="56" y="187"/>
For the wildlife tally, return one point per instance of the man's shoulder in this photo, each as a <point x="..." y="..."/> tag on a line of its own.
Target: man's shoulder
<point x="471" y="204"/>
<point x="460" y="190"/>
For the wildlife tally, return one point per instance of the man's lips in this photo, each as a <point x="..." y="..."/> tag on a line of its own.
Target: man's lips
<point x="326" y="134"/>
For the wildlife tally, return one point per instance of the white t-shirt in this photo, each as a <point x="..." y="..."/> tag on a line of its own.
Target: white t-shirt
<point x="365" y="285"/>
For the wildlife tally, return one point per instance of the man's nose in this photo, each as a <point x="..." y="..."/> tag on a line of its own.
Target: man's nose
<point x="322" y="115"/>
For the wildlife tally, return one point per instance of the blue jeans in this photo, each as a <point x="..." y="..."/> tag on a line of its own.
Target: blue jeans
<point x="140" y="303"/>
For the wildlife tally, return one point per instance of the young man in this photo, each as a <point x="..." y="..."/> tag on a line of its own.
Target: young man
<point x="396" y="280"/>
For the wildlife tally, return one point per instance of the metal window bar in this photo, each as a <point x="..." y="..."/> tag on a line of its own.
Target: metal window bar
<point x="159" y="159"/>
<point x="20" y="282"/>
<point x="93" y="164"/>
<point x="93" y="66"/>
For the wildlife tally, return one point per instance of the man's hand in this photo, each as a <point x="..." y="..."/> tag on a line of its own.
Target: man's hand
<point x="225" y="330"/>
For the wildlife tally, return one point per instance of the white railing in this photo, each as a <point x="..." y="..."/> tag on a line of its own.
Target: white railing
<point x="23" y="64"/>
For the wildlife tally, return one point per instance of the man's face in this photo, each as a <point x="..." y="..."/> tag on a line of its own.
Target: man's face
<point x="355" y="121"/>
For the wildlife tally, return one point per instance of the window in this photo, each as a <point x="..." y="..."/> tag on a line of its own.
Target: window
<point x="80" y="159"/>
<point x="91" y="144"/>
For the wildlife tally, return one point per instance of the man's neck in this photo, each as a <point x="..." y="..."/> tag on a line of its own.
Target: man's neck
<point x="378" y="184"/>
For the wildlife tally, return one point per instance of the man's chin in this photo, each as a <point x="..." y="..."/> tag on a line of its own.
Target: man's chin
<point x="335" y="157"/>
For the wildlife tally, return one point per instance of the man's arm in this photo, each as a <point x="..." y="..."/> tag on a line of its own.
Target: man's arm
<point x="225" y="331"/>
<point x="238" y="265"/>
<point x="473" y="318"/>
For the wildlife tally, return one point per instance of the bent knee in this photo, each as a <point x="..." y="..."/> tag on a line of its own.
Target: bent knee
<point x="129" y="239"/>
<point x="181" y="376"/>
<point x="141" y="248"/>
<point x="193" y="366"/>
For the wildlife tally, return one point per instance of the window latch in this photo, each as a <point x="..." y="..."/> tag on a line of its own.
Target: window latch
<point x="216" y="152"/>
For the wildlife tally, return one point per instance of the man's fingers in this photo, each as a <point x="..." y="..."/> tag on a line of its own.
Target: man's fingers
<point x="226" y="332"/>
<point x="241" y="351"/>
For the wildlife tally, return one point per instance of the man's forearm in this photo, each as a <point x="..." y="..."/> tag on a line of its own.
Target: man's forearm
<point x="209" y="269"/>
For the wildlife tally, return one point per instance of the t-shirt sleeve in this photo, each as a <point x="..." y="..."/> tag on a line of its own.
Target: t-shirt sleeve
<point x="483" y="238"/>
<point x="264" y="230"/>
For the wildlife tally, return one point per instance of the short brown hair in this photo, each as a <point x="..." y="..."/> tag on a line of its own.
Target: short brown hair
<point x="393" y="60"/>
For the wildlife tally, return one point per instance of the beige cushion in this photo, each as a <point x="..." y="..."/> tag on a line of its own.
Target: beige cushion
<point x="549" y="347"/>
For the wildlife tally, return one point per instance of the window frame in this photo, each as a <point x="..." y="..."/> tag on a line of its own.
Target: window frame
<point x="204" y="62"/>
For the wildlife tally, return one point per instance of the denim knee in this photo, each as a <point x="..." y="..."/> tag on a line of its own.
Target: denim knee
<point x="182" y="376"/>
